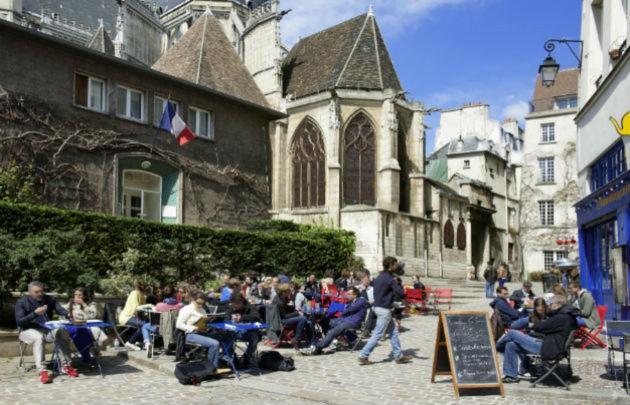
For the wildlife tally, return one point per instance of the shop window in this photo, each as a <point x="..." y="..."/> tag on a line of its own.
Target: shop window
<point x="608" y="167"/>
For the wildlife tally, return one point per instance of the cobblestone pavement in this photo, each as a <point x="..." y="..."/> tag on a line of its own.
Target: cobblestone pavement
<point x="330" y="378"/>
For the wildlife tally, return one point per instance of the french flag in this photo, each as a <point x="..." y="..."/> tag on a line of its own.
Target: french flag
<point x="173" y="123"/>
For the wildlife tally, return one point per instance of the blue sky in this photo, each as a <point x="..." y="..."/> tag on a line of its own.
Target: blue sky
<point x="448" y="52"/>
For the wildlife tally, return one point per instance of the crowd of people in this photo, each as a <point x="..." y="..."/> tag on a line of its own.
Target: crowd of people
<point x="539" y="325"/>
<point x="299" y="307"/>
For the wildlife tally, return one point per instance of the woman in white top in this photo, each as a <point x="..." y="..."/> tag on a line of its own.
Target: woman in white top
<point x="191" y="320"/>
<point x="83" y="309"/>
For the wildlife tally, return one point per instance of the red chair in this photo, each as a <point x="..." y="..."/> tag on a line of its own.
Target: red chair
<point x="414" y="299"/>
<point x="591" y="336"/>
<point x="442" y="296"/>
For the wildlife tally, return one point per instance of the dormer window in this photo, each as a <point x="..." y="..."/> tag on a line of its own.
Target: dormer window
<point x="566" y="102"/>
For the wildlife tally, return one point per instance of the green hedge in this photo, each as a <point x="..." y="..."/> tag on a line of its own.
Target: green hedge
<point x="66" y="248"/>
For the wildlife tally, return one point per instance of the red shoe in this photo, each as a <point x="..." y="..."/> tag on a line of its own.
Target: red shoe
<point x="70" y="371"/>
<point x="45" y="377"/>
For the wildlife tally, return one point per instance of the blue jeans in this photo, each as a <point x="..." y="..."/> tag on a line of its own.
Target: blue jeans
<point x="515" y="345"/>
<point x="147" y="329"/>
<point x="205" y="341"/>
<point x="300" y="323"/>
<point x="580" y="321"/>
<point x="384" y="324"/>
<point x="520" y="323"/>
<point x="336" y="328"/>
<point x="252" y="337"/>
<point x="489" y="289"/>
<point x="138" y="323"/>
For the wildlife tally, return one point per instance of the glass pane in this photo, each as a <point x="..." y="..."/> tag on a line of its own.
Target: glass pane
<point x="158" y="110"/>
<point x="96" y="95"/>
<point x="142" y="180"/>
<point x="203" y="123"/>
<point x="152" y="206"/>
<point x="135" y="110"/>
<point x="192" y="120"/>
<point x="121" y="101"/>
<point x="80" y="90"/>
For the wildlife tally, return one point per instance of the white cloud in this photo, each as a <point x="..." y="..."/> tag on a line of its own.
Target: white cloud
<point x="518" y="110"/>
<point x="393" y="16"/>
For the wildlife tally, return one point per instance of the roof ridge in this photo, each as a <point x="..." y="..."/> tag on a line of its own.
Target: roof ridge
<point x="203" y="39"/>
<point x="378" y="57"/>
<point x="354" y="47"/>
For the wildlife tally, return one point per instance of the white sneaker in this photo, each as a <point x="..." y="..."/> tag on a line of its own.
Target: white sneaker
<point x="334" y="344"/>
<point x="131" y="346"/>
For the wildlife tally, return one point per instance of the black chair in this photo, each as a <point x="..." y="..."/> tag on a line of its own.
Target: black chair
<point x="549" y="367"/>
<point x="111" y="316"/>
<point x="363" y="331"/>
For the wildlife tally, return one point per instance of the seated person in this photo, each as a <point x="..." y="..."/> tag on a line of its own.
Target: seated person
<point x="290" y="316"/>
<point x="312" y="286"/>
<point x="168" y="304"/>
<point x="351" y="318"/>
<point x="344" y="282"/>
<point x="521" y="296"/>
<point x="155" y="295"/>
<point x="299" y="300"/>
<point x="83" y="309"/>
<point x="556" y="289"/>
<point x="31" y="312"/>
<point x="136" y="300"/>
<point x="226" y="293"/>
<point x="537" y="315"/>
<point x="417" y="284"/>
<point x="508" y="314"/>
<point x="553" y="333"/>
<point x="584" y="302"/>
<point x="241" y="311"/>
<point x="192" y="321"/>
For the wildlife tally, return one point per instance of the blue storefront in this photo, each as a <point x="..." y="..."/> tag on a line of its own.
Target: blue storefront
<point x="604" y="233"/>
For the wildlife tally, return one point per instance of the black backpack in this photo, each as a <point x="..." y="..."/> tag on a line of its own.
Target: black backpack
<point x="193" y="373"/>
<point x="274" y="361"/>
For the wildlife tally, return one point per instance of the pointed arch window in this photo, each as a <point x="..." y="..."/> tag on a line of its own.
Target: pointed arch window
<point x="449" y="234"/>
<point x="308" y="161"/>
<point x="461" y="236"/>
<point x="359" y="161"/>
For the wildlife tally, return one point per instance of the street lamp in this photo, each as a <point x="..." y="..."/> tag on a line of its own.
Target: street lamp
<point x="548" y="70"/>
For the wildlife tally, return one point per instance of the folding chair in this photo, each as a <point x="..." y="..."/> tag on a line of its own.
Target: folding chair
<point x="111" y="316"/>
<point x="442" y="296"/>
<point x="615" y="332"/>
<point x="362" y="332"/>
<point x="22" y="346"/>
<point x="549" y="367"/>
<point x="587" y="336"/>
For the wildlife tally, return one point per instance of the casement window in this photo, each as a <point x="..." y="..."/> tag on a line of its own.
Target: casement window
<point x="547" y="169"/>
<point x="548" y="132"/>
<point x="159" y="104"/>
<point x="200" y="122"/>
<point x="130" y="103"/>
<point x="90" y="92"/>
<point x="546" y="211"/>
<point x="551" y="256"/>
<point x="608" y="167"/>
<point x="566" y="102"/>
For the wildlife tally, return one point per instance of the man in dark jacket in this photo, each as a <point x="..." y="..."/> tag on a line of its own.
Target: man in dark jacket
<point x="508" y="314"/>
<point x="351" y="318"/>
<point x="520" y="296"/>
<point x="490" y="275"/>
<point x="555" y="331"/>
<point x="386" y="291"/>
<point x="292" y="317"/>
<point x="32" y="311"/>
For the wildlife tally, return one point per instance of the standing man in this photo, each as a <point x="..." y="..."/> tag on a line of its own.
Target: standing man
<point x="490" y="275"/>
<point x="31" y="312"/>
<point x="386" y="290"/>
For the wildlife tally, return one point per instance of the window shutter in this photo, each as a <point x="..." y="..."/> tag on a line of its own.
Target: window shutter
<point x="81" y="90"/>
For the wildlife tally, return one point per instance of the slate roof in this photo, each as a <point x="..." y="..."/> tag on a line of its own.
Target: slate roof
<point x="566" y="84"/>
<point x="470" y="144"/>
<point x="102" y="42"/>
<point x="168" y="5"/>
<point x="86" y="12"/>
<point x="348" y="55"/>
<point x="205" y="56"/>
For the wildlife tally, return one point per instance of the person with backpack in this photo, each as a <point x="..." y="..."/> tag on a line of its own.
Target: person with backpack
<point x="490" y="275"/>
<point x="386" y="291"/>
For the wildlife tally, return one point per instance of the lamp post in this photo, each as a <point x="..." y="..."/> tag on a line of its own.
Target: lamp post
<point x="549" y="68"/>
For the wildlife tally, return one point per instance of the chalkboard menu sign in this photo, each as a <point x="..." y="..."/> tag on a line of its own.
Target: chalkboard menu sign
<point x="465" y="350"/>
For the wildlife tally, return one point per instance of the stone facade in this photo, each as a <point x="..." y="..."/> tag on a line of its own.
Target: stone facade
<point x="550" y="146"/>
<point x="219" y="181"/>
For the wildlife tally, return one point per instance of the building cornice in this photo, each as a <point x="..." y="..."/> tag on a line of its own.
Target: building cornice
<point x="603" y="86"/>
<point x="551" y="113"/>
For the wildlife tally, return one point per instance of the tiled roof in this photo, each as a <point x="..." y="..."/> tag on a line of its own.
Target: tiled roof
<point x="566" y="84"/>
<point x="205" y="56"/>
<point x="102" y="42"/>
<point x="83" y="12"/>
<point x="349" y="55"/>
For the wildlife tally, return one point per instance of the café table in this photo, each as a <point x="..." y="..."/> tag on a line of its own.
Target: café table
<point x="233" y="329"/>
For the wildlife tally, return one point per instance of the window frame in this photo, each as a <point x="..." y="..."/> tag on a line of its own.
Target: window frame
<point x="572" y="102"/>
<point x="547" y="212"/>
<point x="210" y="126"/>
<point x="142" y="193"/>
<point x="547" y="170"/>
<point x="555" y="256"/>
<point x="127" y="113"/>
<point x="90" y="78"/>
<point x="548" y="136"/>
<point x="158" y="119"/>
